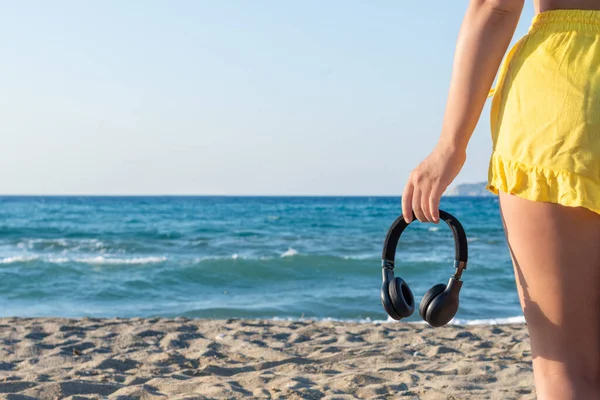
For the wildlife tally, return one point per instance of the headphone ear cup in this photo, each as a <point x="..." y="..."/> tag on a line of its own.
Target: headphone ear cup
<point x="386" y="301"/>
<point x="402" y="298"/>
<point x="429" y="296"/>
<point x="442" y="309"/>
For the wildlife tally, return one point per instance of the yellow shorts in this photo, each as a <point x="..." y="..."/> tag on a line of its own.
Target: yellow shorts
<point x="545" y="115"/>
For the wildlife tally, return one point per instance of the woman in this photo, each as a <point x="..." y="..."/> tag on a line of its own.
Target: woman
<point x="545" y="167"/>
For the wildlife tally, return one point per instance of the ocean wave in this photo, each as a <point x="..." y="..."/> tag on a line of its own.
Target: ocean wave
<point x="18" y="259"/>
<point x="234" y="256"/>
<point x="61" y="244"/>
<point x="118" y="261"/>
<point x="293" y="253"/>
<point x="83" y="260"/>
<point x="362" y="257"/>
<point x="290" y="253"/>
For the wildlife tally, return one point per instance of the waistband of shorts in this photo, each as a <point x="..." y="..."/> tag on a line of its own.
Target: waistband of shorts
<point x="567" y="21"/>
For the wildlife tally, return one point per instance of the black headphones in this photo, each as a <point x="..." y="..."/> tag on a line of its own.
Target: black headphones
<point x="440" y="303"/>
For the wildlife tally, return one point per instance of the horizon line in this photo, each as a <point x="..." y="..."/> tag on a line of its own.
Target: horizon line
<point x="226" y="195"/>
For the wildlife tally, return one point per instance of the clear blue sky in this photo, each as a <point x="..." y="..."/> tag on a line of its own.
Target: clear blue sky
<point x="225" y="97"/>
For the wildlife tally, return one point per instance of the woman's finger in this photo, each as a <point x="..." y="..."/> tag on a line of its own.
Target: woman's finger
<point x="425" y="206"/>
<point x="434" y="205"/>
<point x="416" y="205"/>
<point x="407" y="202"/>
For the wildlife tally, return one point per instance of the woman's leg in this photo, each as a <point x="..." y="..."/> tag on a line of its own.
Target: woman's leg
<point x="556" y="256"/>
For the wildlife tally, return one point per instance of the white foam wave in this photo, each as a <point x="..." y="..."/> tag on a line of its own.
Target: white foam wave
<point x="84" y="260"/>
<point x="18" y="259"/>
<point x="290" y="253"/>
<point x="433" y="258"/>
<point x="520" y="319"/>
<point x="492" y="321"/>
<point x="58" y="260"/>
<point x="113" y="261"/>
<point x="362" y="257"/>
<point x="358" y="320"/>
<point x="108" y="259"/>
<point x="434" y="229"/>
<point x="73" y="244"/>
<point x="234" y="256"/>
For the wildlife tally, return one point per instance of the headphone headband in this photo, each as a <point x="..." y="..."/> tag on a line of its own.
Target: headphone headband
<point x="399" y="225"/>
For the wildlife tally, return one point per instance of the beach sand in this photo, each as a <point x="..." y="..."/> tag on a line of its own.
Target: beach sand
<point x="52" y="358"/>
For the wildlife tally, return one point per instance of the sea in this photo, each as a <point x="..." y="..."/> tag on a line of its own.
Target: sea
<point x="288" y="258"/>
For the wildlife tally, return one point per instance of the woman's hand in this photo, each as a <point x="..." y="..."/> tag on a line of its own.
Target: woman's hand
<point x="428" y="181"/>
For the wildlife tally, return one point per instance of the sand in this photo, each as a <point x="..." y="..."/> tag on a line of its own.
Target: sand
<point x="51" y="358"/>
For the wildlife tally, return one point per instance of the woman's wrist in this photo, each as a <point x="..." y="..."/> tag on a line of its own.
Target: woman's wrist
<point x="454" y="145"/>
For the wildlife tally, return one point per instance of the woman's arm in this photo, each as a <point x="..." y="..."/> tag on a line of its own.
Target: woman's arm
<point x="484" y="37"/>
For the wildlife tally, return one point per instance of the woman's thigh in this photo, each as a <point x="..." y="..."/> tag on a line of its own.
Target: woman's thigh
<point x="556" y="257"/>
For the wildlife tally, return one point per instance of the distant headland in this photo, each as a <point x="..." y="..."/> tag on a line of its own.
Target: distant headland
<point x="469" y="189"/>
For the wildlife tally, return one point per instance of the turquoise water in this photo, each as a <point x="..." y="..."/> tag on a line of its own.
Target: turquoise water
<point x="246" y="257"/>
